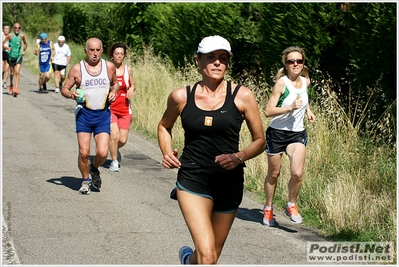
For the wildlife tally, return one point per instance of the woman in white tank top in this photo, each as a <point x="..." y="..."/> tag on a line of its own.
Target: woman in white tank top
<point x="286" y="134"/>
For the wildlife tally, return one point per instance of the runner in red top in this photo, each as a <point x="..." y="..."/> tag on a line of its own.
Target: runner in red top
<point x="121" y="113"/>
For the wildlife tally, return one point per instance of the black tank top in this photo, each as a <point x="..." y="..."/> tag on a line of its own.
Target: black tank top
<point x="209" y="133"/>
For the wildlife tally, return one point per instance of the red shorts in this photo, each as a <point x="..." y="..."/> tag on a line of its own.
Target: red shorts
<point x="123" y="121"/>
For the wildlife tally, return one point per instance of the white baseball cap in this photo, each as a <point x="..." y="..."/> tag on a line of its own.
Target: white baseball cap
<point x="213" y="43"/>
<point x="61" y="38"/>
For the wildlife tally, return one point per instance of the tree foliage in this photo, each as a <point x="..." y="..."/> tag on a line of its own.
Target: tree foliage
<point x="301" y="24"/>
<point x="175" y="29"/>
<point x="110" y="22"/>
<point x="366" y="44"/>
<point x="354" y="43"/>
<point x="33" y="17"/>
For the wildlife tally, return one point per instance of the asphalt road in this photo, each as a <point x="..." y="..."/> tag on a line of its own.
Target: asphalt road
<point x="131" y="221"/>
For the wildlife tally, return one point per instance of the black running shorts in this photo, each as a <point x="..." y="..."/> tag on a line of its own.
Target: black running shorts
<point x="224" y="187"/>
<point x="5" y="55"/>
<point x="278" y="140"/>
<point x="58" y="67"/>
<point x="13" y="61"/>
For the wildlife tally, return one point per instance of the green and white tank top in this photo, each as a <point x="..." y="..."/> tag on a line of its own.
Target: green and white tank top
<point x="292" y="121"/>
<point x="16" y="45"/>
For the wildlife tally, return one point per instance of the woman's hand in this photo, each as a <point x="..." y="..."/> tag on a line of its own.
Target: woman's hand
<point x="170" y="160"/>
<point x="228" y="161"/>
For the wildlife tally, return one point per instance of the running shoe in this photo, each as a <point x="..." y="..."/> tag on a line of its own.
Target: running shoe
<point x="57" y="90"/>
<point x="293" y="213"/>
<point x="5" y="86"/>
<point x="10" y="90"/>
<point x="268" y="217"/>
<point x="85" y="188"/>
<point x="96" y="179"/>
<point x="119" y="156"/>
<point x="44" y="87"/>
<point x="15" y="92"/>
<point x="184" y="253"/>
<point x="114" y="167"/>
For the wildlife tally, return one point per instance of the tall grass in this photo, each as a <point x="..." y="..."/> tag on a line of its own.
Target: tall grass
<point x="349" y="188"/>
<point x="155" y="79"/>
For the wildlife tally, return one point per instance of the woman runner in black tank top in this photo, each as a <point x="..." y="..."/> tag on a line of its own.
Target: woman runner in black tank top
<point x="210" y="181"/>
<point x="204" y="142"/>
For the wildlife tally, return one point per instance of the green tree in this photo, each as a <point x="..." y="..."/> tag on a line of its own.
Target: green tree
<point x="175" y="29"/>
<point x="294" y="24"/>
<point x="366" y="44"/>
<point x="33" y="17"/>
<point x="130" y="26"/>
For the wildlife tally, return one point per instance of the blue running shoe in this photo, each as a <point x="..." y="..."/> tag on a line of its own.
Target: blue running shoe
<point x="184" y="253"/>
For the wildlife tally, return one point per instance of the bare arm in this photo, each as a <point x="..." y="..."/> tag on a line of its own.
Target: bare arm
<point x="52" y="50"/>
<point x="36" y="51"/>
<point x="175" y="103"/>
<point x="72" y="80"/>
<point x="114" y="82"/>
<point x="25" y="44"/>
<point x="271" y="109"/>
<point x="8" y="37"/>
<point x="132" y="88"/>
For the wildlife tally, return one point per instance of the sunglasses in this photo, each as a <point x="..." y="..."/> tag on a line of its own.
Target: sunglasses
<point x="292" y="61"/>
<point x="17" y="28"/>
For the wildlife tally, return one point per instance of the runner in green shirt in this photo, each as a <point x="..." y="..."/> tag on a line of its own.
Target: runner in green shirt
<point x="16" y="52"/>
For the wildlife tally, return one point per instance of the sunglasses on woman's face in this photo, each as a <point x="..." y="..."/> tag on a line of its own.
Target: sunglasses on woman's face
<point x="292" y="61"/>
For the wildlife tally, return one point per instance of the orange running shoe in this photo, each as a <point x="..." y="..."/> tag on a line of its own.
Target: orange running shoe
<point x="16" y="92"/>
<point x="293" y="213"/>
<point x="268" y="218"/>
<point x="10" y="90"/>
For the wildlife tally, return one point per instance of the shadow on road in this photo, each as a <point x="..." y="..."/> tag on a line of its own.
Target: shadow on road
<point x="72" y="183"/>
<point x="256" y="215"/>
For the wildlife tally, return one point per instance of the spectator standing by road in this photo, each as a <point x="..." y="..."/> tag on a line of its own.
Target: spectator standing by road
<point x="45" y="51"/>
<point x="286" y="133"/>
<point x="4" y="60"/>
<point x="62" y="58"/>
<point x="210" y="179"/>
<point x="96" y="87"/>
<point x="121" y="113"/>
<point x="16" y="51"/>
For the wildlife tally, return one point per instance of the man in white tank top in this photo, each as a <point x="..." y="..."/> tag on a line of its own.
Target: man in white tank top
<point x="98" y="87"/>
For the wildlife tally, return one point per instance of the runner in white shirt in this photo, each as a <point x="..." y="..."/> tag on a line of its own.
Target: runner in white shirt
<point x="5" y="65"/>
<point x="62" y="58"/>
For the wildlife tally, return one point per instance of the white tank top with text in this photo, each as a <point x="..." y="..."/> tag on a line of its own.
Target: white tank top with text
<point x="96" y="87"/>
